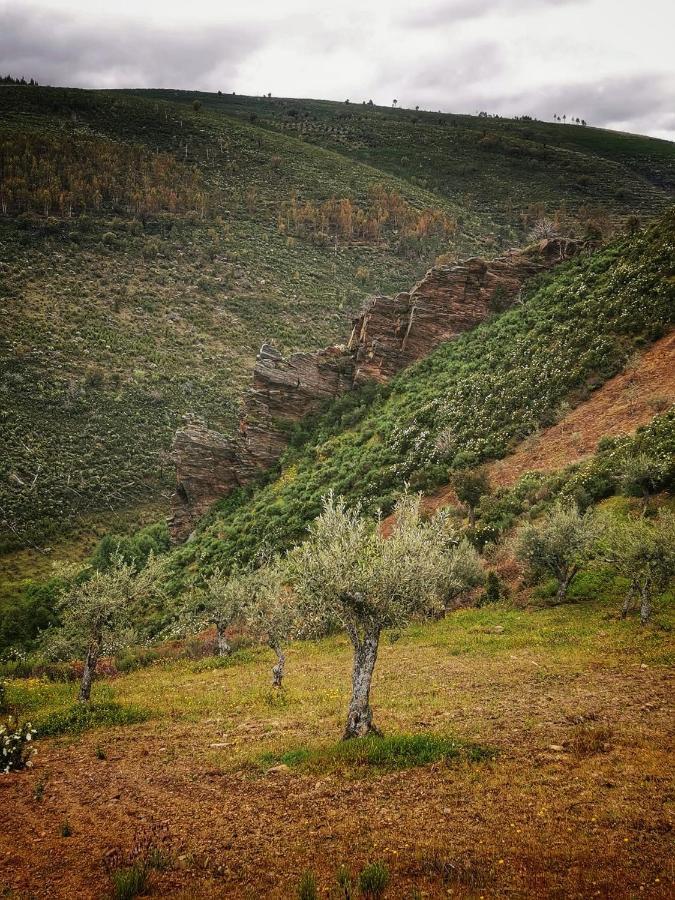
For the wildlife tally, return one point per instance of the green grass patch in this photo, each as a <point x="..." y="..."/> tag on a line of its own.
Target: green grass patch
<point x="85" y="716"/>
<point x="378" y="755"/>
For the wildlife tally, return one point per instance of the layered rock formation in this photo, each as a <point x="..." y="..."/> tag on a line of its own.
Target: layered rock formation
<point x="393" y="333"/>
<point x="389" y="335"/>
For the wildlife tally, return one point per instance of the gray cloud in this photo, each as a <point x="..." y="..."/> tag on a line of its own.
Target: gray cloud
<point x="62" y="50"/>
<point x="454" y="11"/>
<point x="529" y="63"/>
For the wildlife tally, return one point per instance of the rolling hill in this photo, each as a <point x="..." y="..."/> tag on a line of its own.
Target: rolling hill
<point x="152" y="240"/>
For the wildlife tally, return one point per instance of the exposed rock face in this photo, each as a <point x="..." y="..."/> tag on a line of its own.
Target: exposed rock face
<point x="392" y="334"/>
<point x="210" y="466"/>
<point x="206" y="469"/>
<point x="389" y="335"/>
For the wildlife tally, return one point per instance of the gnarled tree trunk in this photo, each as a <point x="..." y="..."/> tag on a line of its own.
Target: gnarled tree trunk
<point x="278" y="669"/>
<point x="564" y="583"/>
<point x="90" y="661"/>
<point x="360" y="715"/>
<point x="222" y="646"/>
<point x="645" y="602"/>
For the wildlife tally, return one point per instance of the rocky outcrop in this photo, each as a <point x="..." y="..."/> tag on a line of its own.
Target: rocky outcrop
<point x="393" y="333"/>
<point x="210" y="466"/>
<point x="389" y="335"/>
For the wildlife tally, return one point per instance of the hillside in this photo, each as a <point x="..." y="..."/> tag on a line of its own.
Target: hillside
<point x="473" y="399"/>
<point x="151" y="241"/>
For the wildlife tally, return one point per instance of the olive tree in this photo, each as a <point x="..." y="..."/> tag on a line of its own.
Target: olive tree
<point x="220" y="602"/>
<point x="644" y="552"/>
<point x="470" y="487"/>
<point x="348" y="573"/>
<point x="96" y="613"/>
<point x="271" y="613"/>
<point x="558" y="545"/>
<point x="641" y="474"/>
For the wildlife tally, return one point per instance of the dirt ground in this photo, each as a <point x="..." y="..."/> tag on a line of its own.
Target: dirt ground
<point x="577" y="801"/>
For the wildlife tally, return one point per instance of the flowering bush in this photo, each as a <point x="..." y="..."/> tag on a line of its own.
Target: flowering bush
<point x="3" y="695"/>
<point x="15" y="746"/>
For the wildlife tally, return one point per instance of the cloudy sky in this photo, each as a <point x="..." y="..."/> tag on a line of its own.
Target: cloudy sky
<point x="610" y="62"/>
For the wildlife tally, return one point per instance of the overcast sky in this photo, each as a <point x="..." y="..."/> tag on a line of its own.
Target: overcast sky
<point x="611" y="62"/>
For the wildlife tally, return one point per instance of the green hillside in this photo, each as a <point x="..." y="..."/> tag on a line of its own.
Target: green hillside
<point x="149" y="243"/>
<point x="481" y="393"/>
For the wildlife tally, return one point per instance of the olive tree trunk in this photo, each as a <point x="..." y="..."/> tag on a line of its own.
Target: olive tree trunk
<point x="90" y="661"/>
<point x="628" y="600"/>
<point x="222" y="646"/>
<point x="360" y="715"/>
<point x="645" y="602"/>
<point x="278" y="669"/>
<point x="564" y="582"/>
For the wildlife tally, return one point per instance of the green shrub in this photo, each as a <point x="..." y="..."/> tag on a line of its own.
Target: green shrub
<point x="83" y="716"/>
<point x="493" y="589"/>
<point x="3" y="695"/>
<point x="373" y="880"/>
<point x="16" y="748"/>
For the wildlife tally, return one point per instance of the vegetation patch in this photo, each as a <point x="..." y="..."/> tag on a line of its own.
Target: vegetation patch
<point x="85" y="716"/>
<point x="377" y="754"/>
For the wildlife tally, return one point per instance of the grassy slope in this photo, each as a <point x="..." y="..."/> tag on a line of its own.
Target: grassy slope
<point x="493" y="167"/>
<point x="171" y="311"/>
<point x="573" y="700"/>
<point x="491" y="387"/>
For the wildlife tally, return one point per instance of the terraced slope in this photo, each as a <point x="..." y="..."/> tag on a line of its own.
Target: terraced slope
<point x="496" y="168"/>
<point x="149" y="247"/>
<point x="125" y="315"/>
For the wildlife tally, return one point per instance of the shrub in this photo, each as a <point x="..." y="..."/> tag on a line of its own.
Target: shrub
<point x="16" y="748"/>
<point x="373" y="880"/>
<point x="493" y="590"/>
<point x="3" y="695"/>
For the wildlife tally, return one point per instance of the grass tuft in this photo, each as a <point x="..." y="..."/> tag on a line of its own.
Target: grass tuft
<point x="82" y="716"/>
<point x="373" y="880"/>
<point x="379" y="754"/>
<point x="307" y="889"/>
<point x="130" y="882"/>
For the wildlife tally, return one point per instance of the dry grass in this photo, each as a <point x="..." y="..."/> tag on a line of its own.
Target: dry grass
<point x="576" y="703"/>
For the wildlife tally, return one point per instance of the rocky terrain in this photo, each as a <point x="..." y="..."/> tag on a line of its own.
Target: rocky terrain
<point x="390" y="334"/>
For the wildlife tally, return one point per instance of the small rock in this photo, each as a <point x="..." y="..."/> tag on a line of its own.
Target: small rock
<point x="556" y="748"/>
<point x="220" y="746"/>
<point x="282" y="767"/>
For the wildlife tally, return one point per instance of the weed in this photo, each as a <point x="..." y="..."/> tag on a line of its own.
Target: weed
<point x="130" y="881"/>
<point x="39" y="789"/>
<point x="307" y="889"/>
<point x="100" y="753"/>
<point x="373" y="880"/>
<point x="345" y="884"/>
<point x="587" y="740"/>
<point x="83" y="716"/>
<point x="379" y="754"/>
<point x="65" y="829"/>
